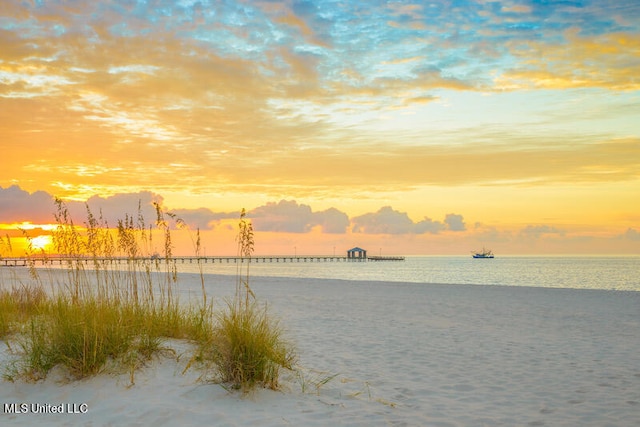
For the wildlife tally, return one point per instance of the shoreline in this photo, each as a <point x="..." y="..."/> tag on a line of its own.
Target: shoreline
<point x="393" y="354"/>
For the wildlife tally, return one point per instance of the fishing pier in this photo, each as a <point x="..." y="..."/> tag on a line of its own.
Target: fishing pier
<point x="353" y="255"/>
<point x="59" y="260"/>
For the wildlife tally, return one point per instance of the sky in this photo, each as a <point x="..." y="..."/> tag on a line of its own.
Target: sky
<point x="400" y="127"/>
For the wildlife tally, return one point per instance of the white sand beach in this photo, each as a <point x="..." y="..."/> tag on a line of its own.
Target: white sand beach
<point x="400" y="355"/>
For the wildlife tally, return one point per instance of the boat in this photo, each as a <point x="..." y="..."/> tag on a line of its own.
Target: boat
<point x="486" y="253"/>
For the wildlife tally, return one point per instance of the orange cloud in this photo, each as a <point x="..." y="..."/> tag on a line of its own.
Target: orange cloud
<point x="606" y="61"/>
<point x="516" y="8"/>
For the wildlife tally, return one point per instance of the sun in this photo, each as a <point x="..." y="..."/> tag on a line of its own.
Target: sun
<point x="41" y="242"/>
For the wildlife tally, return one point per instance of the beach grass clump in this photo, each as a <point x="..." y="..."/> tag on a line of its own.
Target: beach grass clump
<point x="78" y="336"/>
<point x="6" y="313"/>
<point x="113" y="304"/>
<point x="86" y="336"/>
<point x="248" y="345"/>
<point x="17" y="305"/>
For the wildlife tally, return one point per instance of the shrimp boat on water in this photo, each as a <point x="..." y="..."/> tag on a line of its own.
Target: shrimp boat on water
<point x="486" y="253"/>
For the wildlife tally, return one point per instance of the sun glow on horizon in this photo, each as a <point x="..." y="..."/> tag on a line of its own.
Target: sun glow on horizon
<point x="41" y="243"/>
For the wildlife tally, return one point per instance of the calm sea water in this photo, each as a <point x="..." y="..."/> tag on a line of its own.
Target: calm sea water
<point x="611" y="273"/>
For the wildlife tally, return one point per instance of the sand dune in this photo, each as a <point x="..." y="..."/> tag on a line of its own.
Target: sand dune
<point x="391" y="354"/>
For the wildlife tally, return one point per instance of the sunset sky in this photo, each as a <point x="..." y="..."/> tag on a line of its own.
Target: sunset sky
<point x="402" y="127"/>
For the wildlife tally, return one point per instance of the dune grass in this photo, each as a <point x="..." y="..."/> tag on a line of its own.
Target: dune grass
<point x="247" y="345"/>
<point x="98" y="312"/>
<point x="17" y="305"/>
<point x="102" y="314"/>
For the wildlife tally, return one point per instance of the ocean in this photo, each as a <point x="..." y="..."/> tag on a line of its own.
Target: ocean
<point x="576" y="272"/>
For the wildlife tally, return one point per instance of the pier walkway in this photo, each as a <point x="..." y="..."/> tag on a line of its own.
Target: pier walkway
<point x="57" y="260"/>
